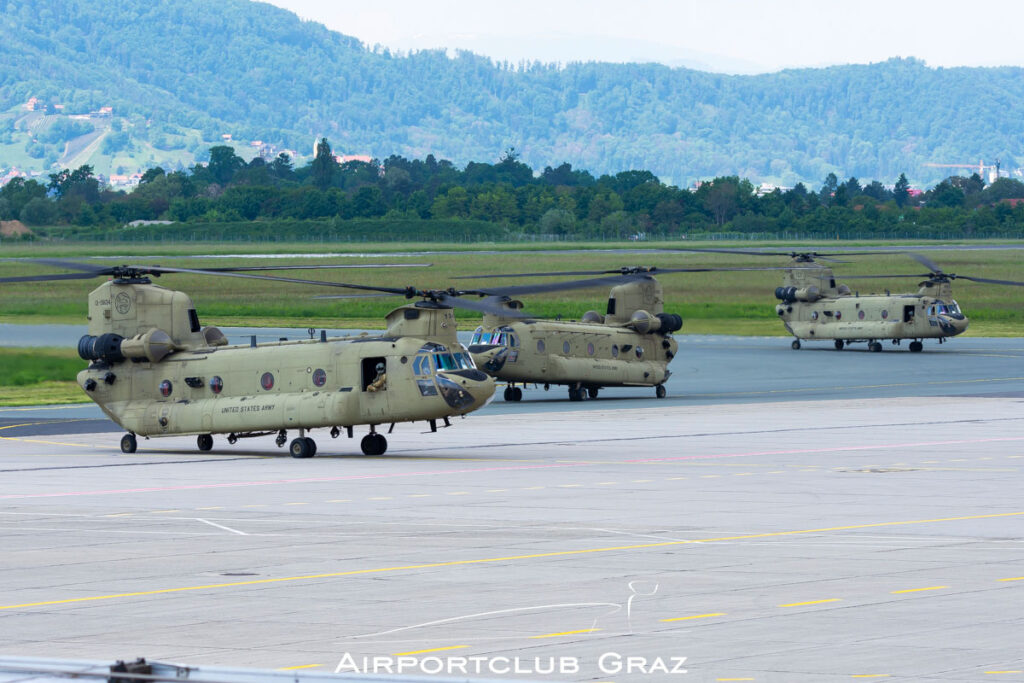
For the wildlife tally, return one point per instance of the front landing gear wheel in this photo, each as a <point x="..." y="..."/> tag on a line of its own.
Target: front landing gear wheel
<point x="916" y="346"/>
<point x="593" y="391"/>
<point x="128" y="443"/>
<point x="839" y="344"/>
<point x="374" y="444"/>
<point x="204" y="442"/>
<point x="577" y="393"/>
<point x="795" y="345"/>
<point x="302" y="447"/>
<point x="875" y="346"/>
<point x="659" y="391"/>
<point x="509" y="393"/>
<point x="517" y="394"/>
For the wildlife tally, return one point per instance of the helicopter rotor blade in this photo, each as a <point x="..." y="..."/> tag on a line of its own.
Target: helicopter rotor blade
<point x="989" y="281"/>
<point x="924" y="261"/>
<point x="234" y="269"/>
<point x="49" y="278"/>
<point x="562" y="286"/>
<point x="492" y="305"/>
<point x="875" y="277"/>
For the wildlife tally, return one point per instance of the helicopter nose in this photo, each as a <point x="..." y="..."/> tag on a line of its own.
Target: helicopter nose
<point x="960" y="324"/>
<point x="489" y="357"/>
<point x="465" y="390"/>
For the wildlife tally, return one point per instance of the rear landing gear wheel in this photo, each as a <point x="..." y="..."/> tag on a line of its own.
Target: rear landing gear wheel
<point x="517" y="394"/>
<point x="593" y="391"/>
<point x="839" y="344"/>
<point x="302" y="447"/>
<point x="795" y="345"/>
<point x="875" y="346"/>
<point x="374" y="444"/>
<point x="204" y="442"/>
<point x="128" y="443"/>
<point x="576" y="393"/>
<point x="509" y="393"/>
<point x="916" y="346"/>
<point x="659" y="391"/>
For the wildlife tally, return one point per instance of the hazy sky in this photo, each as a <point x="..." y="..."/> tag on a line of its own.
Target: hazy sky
<point x="737" y="36"/>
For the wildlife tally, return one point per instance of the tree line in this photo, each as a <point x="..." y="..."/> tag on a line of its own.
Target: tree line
<point x="196" y="69"/>
<point x="559" y="202"/>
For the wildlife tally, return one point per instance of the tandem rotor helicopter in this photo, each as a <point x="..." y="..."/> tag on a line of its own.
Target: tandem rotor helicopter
<point x="814" y="308"/>
<point x="156" y="371"/>
<point x="630" y="345"/>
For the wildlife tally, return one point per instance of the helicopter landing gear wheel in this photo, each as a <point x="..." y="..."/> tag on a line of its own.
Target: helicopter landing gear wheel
<point x="302" y="447"/>
<point x="839" y="344"/>
<point x="374" y="444"/>
<point x="659" y="391"/>
<point x="517" y="394"/>
<point x="593" y="391"/>
<point x="875" y="346"/>
<point x="128" y="443"/>
<point x="795" y="345"/>
<point x="508" y="394"/>
<point x="916" y="346"/>
<point x="204" y="442"/>
<point x="576" y="393"/>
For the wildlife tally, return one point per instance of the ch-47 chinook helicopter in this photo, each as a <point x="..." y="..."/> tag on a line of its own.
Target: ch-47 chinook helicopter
<point x="630" y="345"/>
<point x="156" y="371"/>
<point x="814" y="308"/>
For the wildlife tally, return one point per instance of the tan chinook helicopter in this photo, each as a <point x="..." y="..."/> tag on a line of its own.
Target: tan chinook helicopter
<point x="630" y="345"/>
<point x="156" y="371"/>
<point x="814" y="308"/>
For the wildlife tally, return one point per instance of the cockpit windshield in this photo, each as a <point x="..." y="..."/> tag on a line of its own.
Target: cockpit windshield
<point x="944" y="309"/>
<point x="500" y="337"/>
<point x="436" y="357"/>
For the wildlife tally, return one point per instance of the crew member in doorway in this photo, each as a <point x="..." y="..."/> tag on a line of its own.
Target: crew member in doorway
<point x="379" y="382"/>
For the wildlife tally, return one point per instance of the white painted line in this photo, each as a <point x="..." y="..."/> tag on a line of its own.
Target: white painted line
<point x="221" y="526"/>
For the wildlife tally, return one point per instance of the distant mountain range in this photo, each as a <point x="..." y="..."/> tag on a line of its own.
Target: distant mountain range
<point x="180" y="74"/>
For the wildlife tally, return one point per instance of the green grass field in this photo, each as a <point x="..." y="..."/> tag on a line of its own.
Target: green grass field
<point x="736" y="300"/>
<point x="40" y="376"/>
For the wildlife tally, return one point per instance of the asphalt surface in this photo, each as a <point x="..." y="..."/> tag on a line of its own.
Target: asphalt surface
<point x="783" y="515"/>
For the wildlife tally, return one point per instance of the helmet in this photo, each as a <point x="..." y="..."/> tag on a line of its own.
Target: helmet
<point x="380" y="367"/>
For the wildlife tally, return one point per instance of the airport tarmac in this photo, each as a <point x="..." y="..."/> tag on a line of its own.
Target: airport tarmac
<point x="868" y="529"/>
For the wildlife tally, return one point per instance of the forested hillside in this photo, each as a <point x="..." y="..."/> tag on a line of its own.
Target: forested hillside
<point x="188" y="71"/>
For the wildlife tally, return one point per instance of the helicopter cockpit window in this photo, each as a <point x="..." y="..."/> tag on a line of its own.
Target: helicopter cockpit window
<point x="422" y="365"/>
<point x="445" y="361"/>
<point x="478" y="336"/>
<point x="193" y="320"/>
<point x="953" y="308"/>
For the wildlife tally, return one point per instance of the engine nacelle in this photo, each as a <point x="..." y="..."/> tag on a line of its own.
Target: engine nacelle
<point x="645" y="322"/>
<point x="790" y="294"/>
<point x="153" y="346"/>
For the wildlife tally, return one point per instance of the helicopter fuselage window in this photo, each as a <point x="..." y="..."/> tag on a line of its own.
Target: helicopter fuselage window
<point x="540" y="346"/>
<point x="374" y="374"/>
<point x="565" y="347"/>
